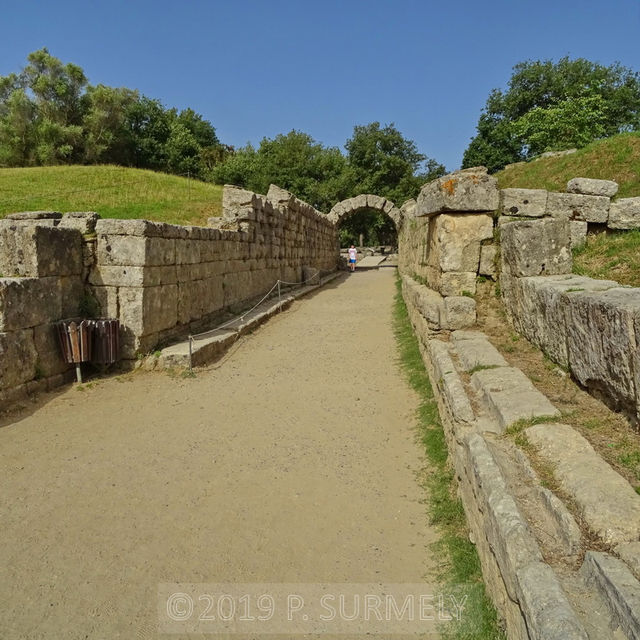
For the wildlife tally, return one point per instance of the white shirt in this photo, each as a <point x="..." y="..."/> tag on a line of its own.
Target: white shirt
<point x="352" y="254"/>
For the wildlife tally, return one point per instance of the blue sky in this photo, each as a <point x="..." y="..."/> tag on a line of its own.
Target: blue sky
<point x="259" y="68"/>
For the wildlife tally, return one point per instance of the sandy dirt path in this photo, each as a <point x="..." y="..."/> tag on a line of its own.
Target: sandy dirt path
<point x="291" y="460"/>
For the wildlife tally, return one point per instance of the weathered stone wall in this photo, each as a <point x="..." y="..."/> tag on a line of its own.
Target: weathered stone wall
<point x="462" y="227"/>
<point x="591" y="327"/>
<point x="159" y="280"/>
<point x="529" y="541"/>
<point x="41" y="281"/>
<point x="445" y="241"/>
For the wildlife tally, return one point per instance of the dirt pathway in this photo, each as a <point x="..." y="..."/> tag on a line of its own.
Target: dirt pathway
<point x="292" y="460"/>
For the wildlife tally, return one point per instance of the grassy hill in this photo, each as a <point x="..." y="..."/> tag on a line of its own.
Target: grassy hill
<point x="612" y="255"/>
<point x="114" y="192"/>
<point x="616" y="158"/>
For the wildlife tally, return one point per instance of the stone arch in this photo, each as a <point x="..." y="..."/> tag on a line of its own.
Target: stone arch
<point x="365" y="201"/>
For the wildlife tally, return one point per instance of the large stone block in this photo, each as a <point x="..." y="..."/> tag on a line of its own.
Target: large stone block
<point x="575" y="206"/>
<point x="488" y="265"/>
<point x="454" y="241"/>
<point x="83" y="221"/>
<point x="459" y="312"/>
<point x="34" y="250"/>
<point x="129" y="276"/>
<point x="18" y="358"/>
<point x="539" y="307"/>
<point x="120" y="250"/>
<point x="468" y="190"/>
<point x="148" y="310"/>
<point x="625" y="214"/>
<point x="457" y="284"/>
<point x="578" y="232"/>
<point x="592" y="187"/>
<point x="606" y="501"/>
<point x="27" y="302"/>
<point x="536" y="247"/>
<point x="601" y="343"/>
<point x="529" y="203"/>
<point x="49" y="361"/>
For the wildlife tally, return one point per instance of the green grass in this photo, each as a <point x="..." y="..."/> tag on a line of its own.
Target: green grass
<point x="114" y="192"/>
<point x="460" y="568"/>
<point x="610" y="256"/>
<point x="616" y="158"/>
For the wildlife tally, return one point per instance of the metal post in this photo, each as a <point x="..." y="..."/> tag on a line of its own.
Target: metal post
<point x="78" y="373"/>
<point x="279" y="301"/>
<point x="190" y="352"/>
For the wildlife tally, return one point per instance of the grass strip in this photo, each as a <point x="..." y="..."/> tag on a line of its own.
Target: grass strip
<point x="459" y="565"/>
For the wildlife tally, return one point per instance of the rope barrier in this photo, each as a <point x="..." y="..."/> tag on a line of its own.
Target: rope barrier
<point x="277" y="285"/>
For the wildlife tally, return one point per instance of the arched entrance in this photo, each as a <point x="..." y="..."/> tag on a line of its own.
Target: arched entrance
<point x="350" y="206"/>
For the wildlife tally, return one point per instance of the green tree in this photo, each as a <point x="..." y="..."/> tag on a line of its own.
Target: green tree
<point x="293" y="161"/>
<point x="561" y="87"/>
<point x="387" y="164"/>
<point x="104" y="122"/>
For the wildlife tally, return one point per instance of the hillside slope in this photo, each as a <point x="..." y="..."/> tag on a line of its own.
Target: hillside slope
<point x="611" y="255"/>
<point x="616" y="158"/>
<point x="114" y="192"/>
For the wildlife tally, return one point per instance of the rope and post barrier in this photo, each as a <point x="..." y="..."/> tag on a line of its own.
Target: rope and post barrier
<point x="278" y="285"/>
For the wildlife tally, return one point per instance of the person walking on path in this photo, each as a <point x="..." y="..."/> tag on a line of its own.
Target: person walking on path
<point x="353" y="256"/>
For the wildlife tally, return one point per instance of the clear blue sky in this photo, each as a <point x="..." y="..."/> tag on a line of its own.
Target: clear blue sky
<point x="259" y="68"/>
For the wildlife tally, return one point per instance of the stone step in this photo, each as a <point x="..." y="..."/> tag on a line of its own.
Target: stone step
<point x="606" y="501"/>
<point x="618" y="588"/>
<point x="511" y="396"/>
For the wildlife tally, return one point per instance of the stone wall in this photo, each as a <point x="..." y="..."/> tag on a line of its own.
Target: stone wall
<point x="590" y="327"/>
<point x="462" y="227"/>
<point x="445" y="241"/>
<point x="159" y="280"/>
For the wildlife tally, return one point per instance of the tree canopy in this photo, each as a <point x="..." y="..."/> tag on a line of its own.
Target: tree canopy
<point x="50" y="114"/>
<point x="553" y="106"/>
<point x="379" y="160"/>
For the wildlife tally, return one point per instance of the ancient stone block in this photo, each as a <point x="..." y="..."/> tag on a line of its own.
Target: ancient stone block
<point x="117" y="250"/>
<point x="48" y="353"/>
<point x="511" y="395"/>
<point x="459" y="312"/>
<point x="116" y="227"/>
<point x="83" y="221"/>
<point x="457" y="284"/>
<point x="601" y="342"/>
<point x="591" y="187"/>
<point x="449" y="381"/>
<point x="488" y="266"/>
<point x="574" y="206"/>
<point x="27" y="302"/>
<point x="529" y="203"/>
<point x="18" y="358"/>
<point x="34" y="215"/>
<point x="148" y="310"/>
<point x="128" y="276"/>
<point x="39" y="251"/>
<point x="72" y="294"/>
<point x="107" y="300"/>
<point x="536" y="247"/>
<point x="589" y="481"/>
<point x="454" y="241"/>
<point x="476" y="352"/>
<point x="468" y="190"/>
<point x="578" y="233"/>
<point x="625" y="214"/>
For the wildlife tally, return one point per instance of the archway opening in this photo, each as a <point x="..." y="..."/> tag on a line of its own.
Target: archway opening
<point x="368" y="229"/>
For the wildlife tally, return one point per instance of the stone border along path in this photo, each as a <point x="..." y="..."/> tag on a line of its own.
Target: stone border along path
<point x="531" y="545"/>
<point x="215" y="342"/>
<point x="281" y="464"/>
